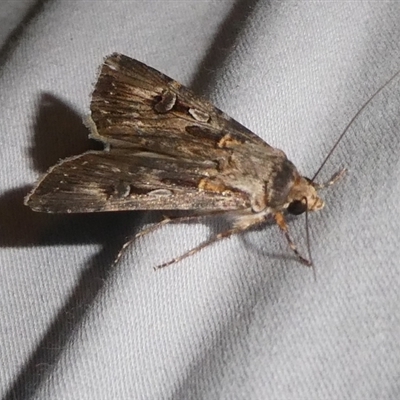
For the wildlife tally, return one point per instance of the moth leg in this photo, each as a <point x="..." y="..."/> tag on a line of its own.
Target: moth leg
<point x="173" y="220"/>
<point x="334" y="179"/>
<point x="153" y="228"/>
<point x="165" y="221"/>
<point x="220" y="236"/>
<point x="280" y="220"/>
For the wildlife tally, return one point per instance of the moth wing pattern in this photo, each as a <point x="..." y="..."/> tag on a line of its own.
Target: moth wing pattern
<point x="114" y="181"/>
<point x="130" y="96"/>
<point x="166" y="148"/>
<point x="136" y="106"/>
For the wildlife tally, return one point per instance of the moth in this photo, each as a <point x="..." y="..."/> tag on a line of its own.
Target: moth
<point x="167" y="149"/>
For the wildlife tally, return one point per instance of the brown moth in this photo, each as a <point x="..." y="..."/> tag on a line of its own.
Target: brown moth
<point x="168" y="149"/>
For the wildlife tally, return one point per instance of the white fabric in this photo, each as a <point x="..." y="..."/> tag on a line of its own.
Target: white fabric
<point x="242" y="319"/>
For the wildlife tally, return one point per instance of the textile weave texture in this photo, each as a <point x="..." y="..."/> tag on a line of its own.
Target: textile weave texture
<point x="242" y="319"/>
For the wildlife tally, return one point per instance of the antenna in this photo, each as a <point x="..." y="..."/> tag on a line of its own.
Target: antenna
<point x="351" y="122"/>
<point x="340" y="173"/>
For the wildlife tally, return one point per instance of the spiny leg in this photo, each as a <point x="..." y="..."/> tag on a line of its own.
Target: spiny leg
<point x="220" y="236"/>
<point x="280" y="220"/>
<point x="165" y="221"/>
<point x="173" y="220"/>
<point x="334" y="179"/>
<point x="153" y="228"/>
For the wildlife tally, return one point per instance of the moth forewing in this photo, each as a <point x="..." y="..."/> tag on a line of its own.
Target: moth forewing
<point x="168" y="149"/>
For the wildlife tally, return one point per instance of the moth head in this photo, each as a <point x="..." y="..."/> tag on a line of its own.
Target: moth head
<point x="303" y="197"/>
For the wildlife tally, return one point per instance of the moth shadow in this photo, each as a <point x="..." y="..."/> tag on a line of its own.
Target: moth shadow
<point x="94" y="274"/>
<point x="58" y="133"/>
<point x="22" y="227"/>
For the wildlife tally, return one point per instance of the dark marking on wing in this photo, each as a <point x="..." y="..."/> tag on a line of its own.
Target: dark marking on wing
<point x="132" y="100"/>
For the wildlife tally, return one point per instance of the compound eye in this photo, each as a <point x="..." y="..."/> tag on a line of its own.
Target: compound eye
<point x="297" y="207"/>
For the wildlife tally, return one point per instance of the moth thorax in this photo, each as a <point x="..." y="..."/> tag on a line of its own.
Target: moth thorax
<point x="303" y="196"/>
